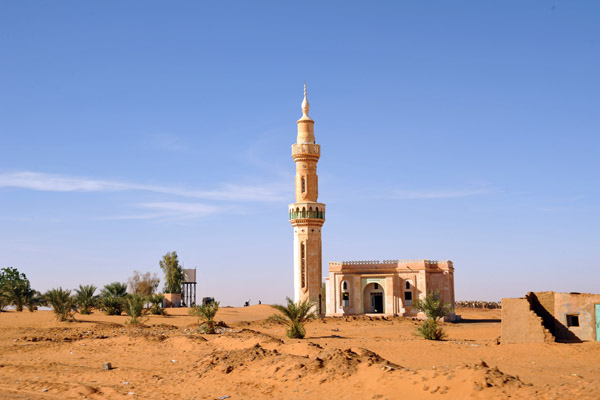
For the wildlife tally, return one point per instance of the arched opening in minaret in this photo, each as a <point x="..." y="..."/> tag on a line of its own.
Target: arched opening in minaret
<point x="303" y="184"/>
<point x="303" y="264"/>
<point x="310" y="212"/>
<point x="303" y="212"/>
<point x="373" y="299"/>
<point x="317" y="212"/>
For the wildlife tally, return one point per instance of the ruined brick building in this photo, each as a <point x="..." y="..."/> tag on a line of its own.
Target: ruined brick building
<point x="541" y="317"/>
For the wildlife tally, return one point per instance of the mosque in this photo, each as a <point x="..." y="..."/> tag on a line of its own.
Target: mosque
<point x="353" y="287"/>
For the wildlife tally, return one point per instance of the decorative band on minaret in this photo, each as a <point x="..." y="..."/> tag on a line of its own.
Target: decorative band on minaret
<point x="306" y="215"/>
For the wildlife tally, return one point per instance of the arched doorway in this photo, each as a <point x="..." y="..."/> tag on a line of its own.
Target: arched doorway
<point x="373" y="299"/>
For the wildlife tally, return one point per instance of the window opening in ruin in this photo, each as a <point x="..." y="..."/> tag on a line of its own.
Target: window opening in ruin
<point x="572" y="319"/>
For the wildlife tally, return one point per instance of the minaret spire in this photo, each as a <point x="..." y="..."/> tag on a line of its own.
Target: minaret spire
<point x="305" y="105"/>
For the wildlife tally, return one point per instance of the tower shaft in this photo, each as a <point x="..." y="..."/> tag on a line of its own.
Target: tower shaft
<point x="306" y="214"/>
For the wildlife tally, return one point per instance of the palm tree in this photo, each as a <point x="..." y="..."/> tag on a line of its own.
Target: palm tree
<point x="61" y="302"/>
<point x="3" y="300"/>
<point x="295" y="316"/>
<point x="15" y="287"/>
<point x="206" y="315"/>
<point x="85" y="298"/>
<point x="134" y="307"/>
<point x="112" y="298"/>
<point x="156" y="301"/>
<point x="34" y="299"/>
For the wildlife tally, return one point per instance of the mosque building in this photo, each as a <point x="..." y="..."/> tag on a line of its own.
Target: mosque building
<point x="353" y="287"/>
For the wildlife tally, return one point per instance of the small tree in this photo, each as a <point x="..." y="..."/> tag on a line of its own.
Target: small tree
<point x="61" y="302"/>
<point x="173" y="273"/>
<point x="112" y="298"/>
<point x="134" y="307"/>
<point x="85" y="298"/>
<point x="143" y="284"/>
<point x="15" y="287"/>
<point x="434" y="309"/>
<point x="295" y="316"/>
<point x="206" y="315"/>
<point x="156" y="301"/>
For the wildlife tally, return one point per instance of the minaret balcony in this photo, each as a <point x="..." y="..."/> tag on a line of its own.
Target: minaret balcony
<point x="306" y="151"/>
<point x="308" y="210"/>
<point x="308" y="214"/>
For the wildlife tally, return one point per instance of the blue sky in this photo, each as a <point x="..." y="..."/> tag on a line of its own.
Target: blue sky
<point x="449" y="130"/>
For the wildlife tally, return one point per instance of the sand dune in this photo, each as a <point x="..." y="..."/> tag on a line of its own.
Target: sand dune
<point x="343" y="358"/>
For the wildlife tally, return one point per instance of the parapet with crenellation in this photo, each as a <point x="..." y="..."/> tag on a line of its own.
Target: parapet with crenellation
<point x="391" y="264"/>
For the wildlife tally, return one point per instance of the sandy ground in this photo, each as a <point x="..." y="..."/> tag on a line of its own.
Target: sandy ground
<point x="342" y="358"/>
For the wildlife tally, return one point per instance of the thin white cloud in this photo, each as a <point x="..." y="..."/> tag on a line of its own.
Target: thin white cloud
<point x="438" y="193"/>
<point x="190" y="209"/>
<point x="61" y="183"/>
<point x="169" y="210"/>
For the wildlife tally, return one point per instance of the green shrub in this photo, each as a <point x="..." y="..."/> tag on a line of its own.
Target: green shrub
<point x="435" y="310"/>
<point x="431" y="330"/>
<point x="206" y="316"/>
<point x="295" y="316"/>
<point x="61" y="302"/>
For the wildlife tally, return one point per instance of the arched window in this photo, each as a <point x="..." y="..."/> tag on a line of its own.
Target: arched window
<point x="317" y="211"/>
<point x="344" y="285"/>
<point x="303" y="212"/>
<point x="407" y="285"/>
<point x="303" y="184"/>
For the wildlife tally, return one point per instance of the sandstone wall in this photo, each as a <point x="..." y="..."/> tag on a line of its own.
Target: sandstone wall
<point x="520" y="324"/>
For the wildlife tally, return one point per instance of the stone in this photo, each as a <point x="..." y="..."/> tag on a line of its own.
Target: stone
<point x="107" y="367"/>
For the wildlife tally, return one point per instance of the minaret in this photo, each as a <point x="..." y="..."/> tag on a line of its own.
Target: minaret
<point x="306" y="215"/>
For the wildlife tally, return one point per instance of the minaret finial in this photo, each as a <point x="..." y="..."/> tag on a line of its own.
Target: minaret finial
<point x="305" y="105"/>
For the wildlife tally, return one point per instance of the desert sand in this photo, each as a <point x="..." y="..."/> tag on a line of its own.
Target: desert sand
<point x="341" y="358"/>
